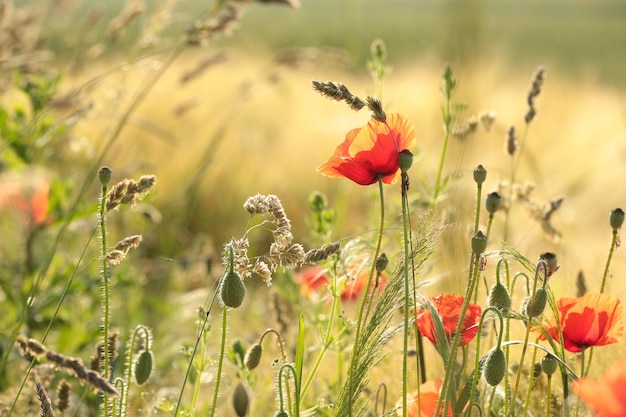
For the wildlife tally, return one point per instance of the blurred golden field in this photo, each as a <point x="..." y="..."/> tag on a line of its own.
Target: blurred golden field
<point x="236" y="117"/>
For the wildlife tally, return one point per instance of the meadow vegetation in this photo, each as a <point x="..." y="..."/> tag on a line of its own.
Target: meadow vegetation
<point x="159" y="197"/>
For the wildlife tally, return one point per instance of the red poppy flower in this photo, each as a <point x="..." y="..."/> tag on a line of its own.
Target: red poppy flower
<point x="313" y="279"/>
<point x="29" y="198"/>
<point x="371" y="152"/>
<point x="606" y="396"/>
<point x="590" y="320"/>
<point x="449" y="308"/>
<point x="427" y="404"/>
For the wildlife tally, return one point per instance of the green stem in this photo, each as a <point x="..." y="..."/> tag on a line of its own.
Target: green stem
<point x="409" y="303"/>
<point x="608" y="260"/>
<point x="443" y="398"/>
<point x="220" y="363"/>
<point x="446" y="139"/>
<point x="366" y="299"/>
<point x="548" y="393"/>
<point x="106" y="302"/>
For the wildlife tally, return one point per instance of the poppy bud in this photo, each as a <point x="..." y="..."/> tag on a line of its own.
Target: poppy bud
<point x="233" y="290"/>
<point x="381" y="263"/>
<point x="281" y="413"/>
<point x="317" y="202"/>
<point x="405" y="160"/>
<point x="241" y="400"/>
<point x="479" y="243"/>
<point x="493" y="202"/>
<point x="104" y="175"/>
<point x="549" y="364"/>
<point x="534" y="306"/>
<point x="551" y="262"/>
<point x="143" y="367"/>
<point x="499" y="297"/>
<point x="495" y="367"/>
<point x="253" y="356"/>
<point x="616" y="218"/>
<point x="480" y="174"/>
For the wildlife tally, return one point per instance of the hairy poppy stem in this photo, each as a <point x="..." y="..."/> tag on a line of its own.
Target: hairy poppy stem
<point x="366" y="299"/>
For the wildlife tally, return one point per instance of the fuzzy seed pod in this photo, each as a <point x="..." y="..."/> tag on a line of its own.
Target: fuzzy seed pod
<point x="381" y="263"/>
<point x="480" y="174"/>
<point x="495" y="367"/>
<point x="616" y="219"/>
<point x="493" y="202"/>
<point x="253" y="356"/>
<point x="552" y="264"/>
<point x="241" y="400"/>
<point x="538" y="304"/>
<point x="549" y="364"/>
<point x="233" y="291"/>
<point x="143" y="367"/>
<point x="281" y="413"/>
<point x="499" y="297"/>
<point x="405" y="160"/>
<point x="479" y="243"/>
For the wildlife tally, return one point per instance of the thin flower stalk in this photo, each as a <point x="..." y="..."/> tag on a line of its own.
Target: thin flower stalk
<point x="448" y="90"/>
<point x="106" y="297"/>
<point x="220" y="363"/>
<point x="409" y="300"/>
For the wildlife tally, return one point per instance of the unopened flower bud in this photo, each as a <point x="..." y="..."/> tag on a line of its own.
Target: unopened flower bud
<point x="381" y="263"/>
<point x="405" y="160"/>
<point x="233" y="290"/>
<point x="534" y="306"/>
<point x="143" y="367"/>
<point x="241" y="400"/>
<point x="493" y="202"/>
<point x="479" y="243"/>
<point x="253" y="356"/>
<point x="549" y="258"/>
<point x="499" y="297"/>
<point x="495" y="367"/>
<point x="317" y="202"/>
<point x="480" y="174"/>
<point x="281" y="413"/>
<point x="104" y="175"/>
<point x="616" y="218"/>
<point x="549" y="364"/>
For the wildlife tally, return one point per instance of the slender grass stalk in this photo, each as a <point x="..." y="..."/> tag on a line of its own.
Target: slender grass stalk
<point x="531" y="382"/>
<point x="540" y="265"/>
<point x="409" y="300"/>
<point x="106" y="299"/>
<point x="447" y="90"/>
<point x="548" y="397"/>
<point x="366" y="299"/>
<point x="220" y="362"/>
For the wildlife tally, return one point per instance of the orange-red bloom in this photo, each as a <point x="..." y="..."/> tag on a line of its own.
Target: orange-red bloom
<point x="313" y="279"/>
<point x="449" y="308"/>
<point x="29" y="198"/>
<point x="372" y="151"/>
<point x="606" y="396"/>
<point x="590" y="320"/>
<point x="427" y="404"/>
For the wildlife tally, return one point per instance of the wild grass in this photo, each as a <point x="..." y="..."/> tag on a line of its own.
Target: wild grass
<point x="219" y="124"/>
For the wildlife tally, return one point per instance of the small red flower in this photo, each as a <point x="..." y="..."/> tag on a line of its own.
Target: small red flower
<point x="313" y="279"/>
<point x="449" y="308"/>
<point x="31" y="199"/>
<point x="371" y="152"/>
<point x="424" y="404"/>
<point x="606" y="396"/>
<point x="590" y="320"/>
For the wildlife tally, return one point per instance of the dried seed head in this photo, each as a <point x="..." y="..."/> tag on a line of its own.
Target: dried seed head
<point x="511" y="141"/>
<point x="499" y="297"/>
<point x="616" y="219"/>
<point x="63" y="395"/>
<point x="338" y="92"/>
<point x="241" y="400"/>
<point x="104" y="175"/>
<point x="233" y="290"/>
<point x="376" y="109"/>
<point x="142" y="368"/>
<point x="405" y="160"/>
<point x="316" y="255"/>
<point x="480" y="174"/>
<point x="487" y="119"/>
<point x="253" y="356"/>
<point x="535" y="89"/>
<point x="45" y="406"/>
<point x="581" y="285"/>
<point x="495" y="367"/>
<point x="549" y="364"/>
<point x="493" y="202"/>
